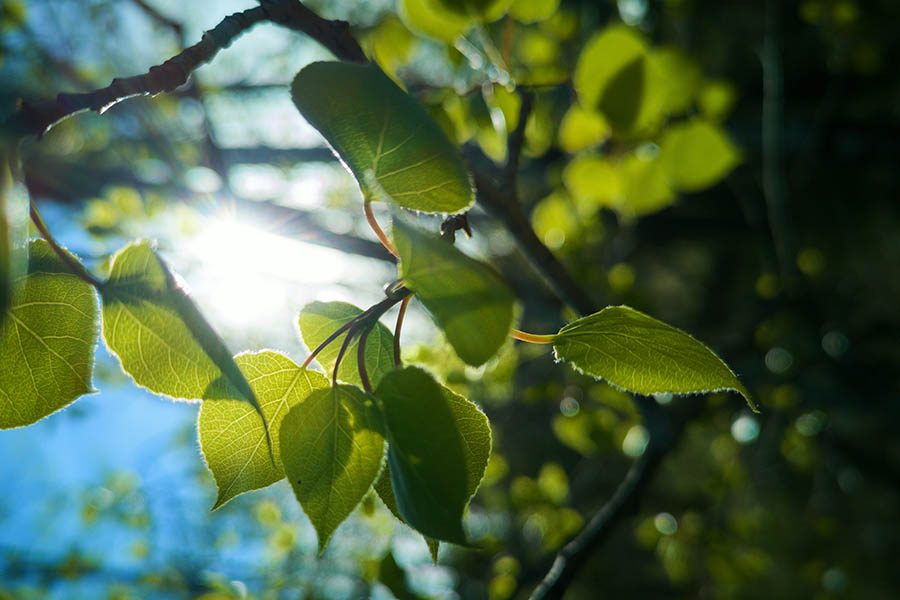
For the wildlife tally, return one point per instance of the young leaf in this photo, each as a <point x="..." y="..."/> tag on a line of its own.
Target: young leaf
<point x="475" y="432"/>
<point x="392" y="146"/>
<point x="697" y="154"/>
<point x="467" y="299"/>
<point x="47" y="340"/>
<point x="159" y="335"/>
<point x="318" y="320"/>
<point x="332" y="445"/>
<point x="232" y="434"/>
<point x="643" y="355"/>
<point x="426" y="454"/>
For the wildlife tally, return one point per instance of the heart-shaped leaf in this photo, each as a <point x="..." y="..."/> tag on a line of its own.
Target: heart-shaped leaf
<point x="47" y="339"/>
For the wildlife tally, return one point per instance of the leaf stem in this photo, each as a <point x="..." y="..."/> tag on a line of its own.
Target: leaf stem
<point x="78" y="269"/>
<point x="361" y="360"/>
<point x="327" y="341"/>
<point x="531" y="338"/>
<point x="337" y="363"/>
<point x="397" y="362"/>
<point x="379" y="233"/>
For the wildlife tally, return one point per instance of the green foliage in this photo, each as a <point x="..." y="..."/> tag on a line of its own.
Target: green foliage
<point x="643" y="355"/>
<point x="697" y="154"/>
<point x="159" y="335"/>
<point x="5" y="259"/>
<point x="425" y="453"/>
<point x="393" y="147"/>
<point x="481" y="10"/>
<point x="531" y="11"/>
<point x="318" y="320"/>
<point x="332" y="446"/>
<point x="47" y="340"/>
<point x="431" y="20"/>
<point x="232" y="433"/>
<point x="467" y="299"/>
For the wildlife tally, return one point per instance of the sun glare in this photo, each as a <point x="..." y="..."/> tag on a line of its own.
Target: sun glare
<point x="248" y="276"/>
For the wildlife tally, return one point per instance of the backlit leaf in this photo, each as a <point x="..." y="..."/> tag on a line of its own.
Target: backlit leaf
<point x="581" y="129"/>
<point x="392" y="146"/>
<point x="433" y="21"/>
<point x="159" y="335"/>
<point x="531" y="11"/>
<point x="233" y="435"/>
<point x="640" y="354"/>
<point x="484" y="11"/>
<point x="318" y="320"/>
<point x="332" y="446"/>
<point x="426" y="454"/>
<point x="697" y="154"/>
<point x="47" y="340"/>
<point x="467" y="299"/>
<point x="475" y="432"/>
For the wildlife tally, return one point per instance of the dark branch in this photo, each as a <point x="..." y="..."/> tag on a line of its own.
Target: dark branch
<point x="35" y="119"/>
<point x="504" y="205"/>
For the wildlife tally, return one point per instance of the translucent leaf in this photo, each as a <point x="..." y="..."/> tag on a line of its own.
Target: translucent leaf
<point x="484" y="11"/>
<point x="645" y="187"/>
<point x="715" y="99"/>
<point x="431" y="20"/>
<point x="426" y="454"/>
<point x="532" y="11"/>
<point x="392" y="146"/>
<point x="467" y="299"/>
<point x="392" y="44"/>
<point x="681" y="75"/>
<point x="159" y="335"/>
<point x="475" y="432"/>
<point x="697" y="154"/>
<point x="581" y="129"/>
<point x="593" y="180"/>
<point x="614" y="75"/>
<point x="640" y="354"/>
<point x="332" y="446"/>
<point x="318" y="320"/>
<point x="47" y="340"/>
<point x="233" y="435"/>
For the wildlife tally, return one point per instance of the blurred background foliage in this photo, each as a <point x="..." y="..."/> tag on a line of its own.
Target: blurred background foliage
<point x="728" y="167"/>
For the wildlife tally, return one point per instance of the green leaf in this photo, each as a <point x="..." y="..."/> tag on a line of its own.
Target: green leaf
<point x="484" y="11"/>
<point x="475" y="432"/>
<point x="426" y="454"/>
<point x="614" y="75"/>
<point x="332" y="446"/>
<point x="47" y="340"/>
<point x="697" y="154"/>
<point x="581" y="129"/>
<point x="532" y="11"/>
<point x="467" y="299"/>
<point x="232" y="433"/>
<point x="394" y="579"/>
<point x="318" y="320"/>
<point x="640" y="354"/>
<point x="159" y="335"/>
<point x="392" y="146"/>
<point x="433" y="21"/>
<point x="5" y="259"/>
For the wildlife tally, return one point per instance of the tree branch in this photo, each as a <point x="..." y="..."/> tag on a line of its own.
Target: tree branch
<point x="36" y="119"/>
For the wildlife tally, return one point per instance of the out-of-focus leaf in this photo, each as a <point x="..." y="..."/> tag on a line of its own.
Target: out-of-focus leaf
<point x="555" y="219"/>
<point x="593" y="181"/>
<point x="233" y="435"/>
<point x="392" y="45"/>
<point x="484" y="11"/>
<point x="581" y="129"/>
<point x="645" y="188"/>
<point x="681" y="75"/>
<point x="318" y="320"/>
<point x="426" y="454"/>
<point x="47" y="340"/>
<point x="388" y="141"/>
<point x="716" y="98"/>
<point x="394" y="578"/>
<point x="614" y="75"/>
<point x="640" y="354"/>
<point x="332" y="446"/>
<point x="432" y="20"/>
<point x="697" y="154"/>
<point x="159" y="335"/>
<point x="532" y="11"/>
<point x="467" y="299"/>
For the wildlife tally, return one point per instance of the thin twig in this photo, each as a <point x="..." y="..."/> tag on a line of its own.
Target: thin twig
<point x="35" y="119"/>
<point x="516" y="139"/>
<point x="78" y="269"/>
<point x="403" y="304"/>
